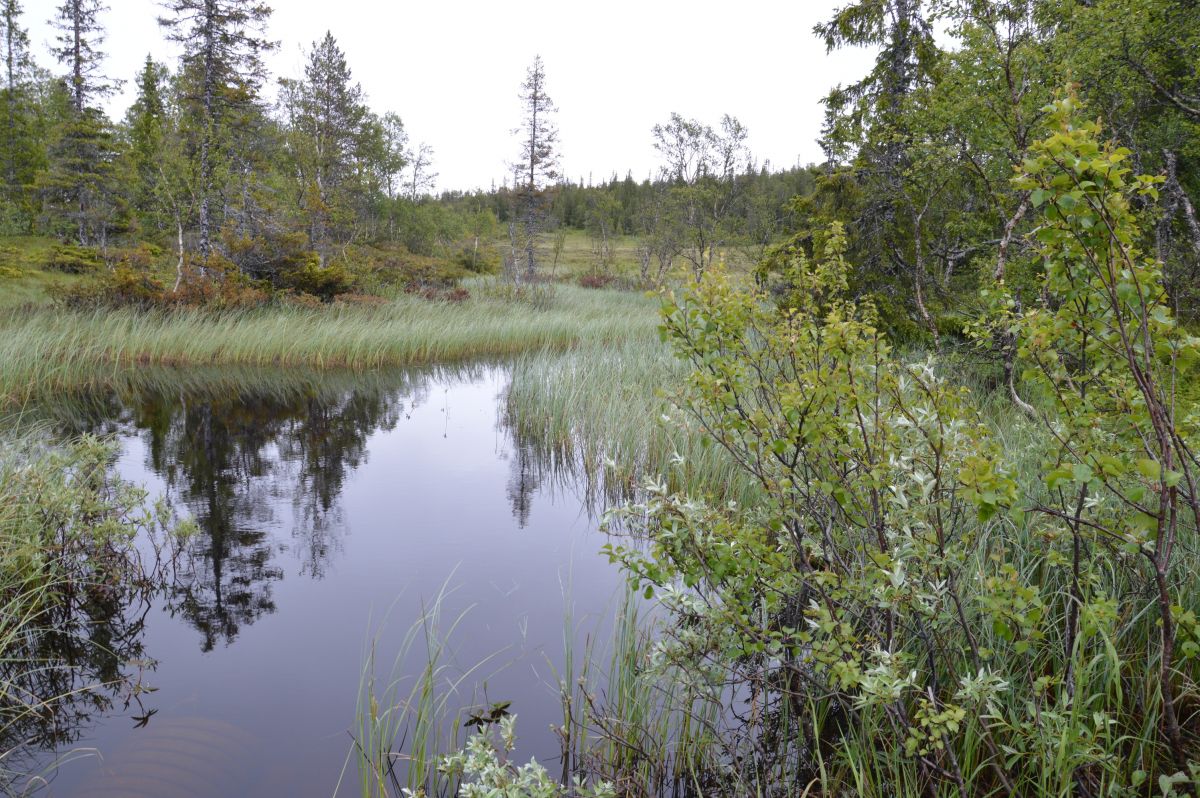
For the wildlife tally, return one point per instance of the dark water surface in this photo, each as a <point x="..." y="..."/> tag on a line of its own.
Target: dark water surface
<point x="329" y="514"/>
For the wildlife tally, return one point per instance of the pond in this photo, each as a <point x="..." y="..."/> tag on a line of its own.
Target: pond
<point x="331" y="516"/>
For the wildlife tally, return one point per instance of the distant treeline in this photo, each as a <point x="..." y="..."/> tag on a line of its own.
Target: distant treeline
<point x="203" y="165"/>
<point x="919" y="156"/>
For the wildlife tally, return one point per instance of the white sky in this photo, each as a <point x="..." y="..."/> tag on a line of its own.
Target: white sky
<point x="453" y="70"/>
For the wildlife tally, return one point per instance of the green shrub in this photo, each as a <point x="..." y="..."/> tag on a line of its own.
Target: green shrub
<point x="596" y="280"/>
<point x="486" y="770"/>
<point x="914" y="606"/>
<point x="476" y="256"/>
<point x="71" y="259"/>
<point x="123" y="287"/>
<point x="71" y="566"/>
<point x="218" y="285"/>
<point x="392" y="266"/>
<point x="142" y="255"/>
<point x="311" y="278"/>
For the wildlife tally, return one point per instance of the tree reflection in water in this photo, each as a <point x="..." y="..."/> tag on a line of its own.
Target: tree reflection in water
<point x="234" y="451"/>
<point x="234" y="447"/>
<point x="231" y="457"/>
<point x="259" y="462"/>
<point x="229" y="454"/>
<point x="75" y="613"/>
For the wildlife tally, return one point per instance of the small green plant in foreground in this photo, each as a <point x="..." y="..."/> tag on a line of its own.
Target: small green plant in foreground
<point x="486" y="771"/>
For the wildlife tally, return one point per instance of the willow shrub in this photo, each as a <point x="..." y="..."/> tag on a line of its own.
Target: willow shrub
<point x="900" y="614"/>
<point x="80" y="553"/>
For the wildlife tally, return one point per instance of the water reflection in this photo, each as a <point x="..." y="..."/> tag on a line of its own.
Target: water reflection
<point x="89" y="658"/>
<point x="81" y="654"/>
<point x="278" y="471"/>
<point x="229" y="450"/>
<point x="524" y="480"/>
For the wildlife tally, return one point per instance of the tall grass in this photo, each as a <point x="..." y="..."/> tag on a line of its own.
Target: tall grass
<point x="630" y="723"/>
<point x="51" y="349"/>
<point x="409" y="716"/>
<point x="604" y="415"/>
<point x="640" y="728"/>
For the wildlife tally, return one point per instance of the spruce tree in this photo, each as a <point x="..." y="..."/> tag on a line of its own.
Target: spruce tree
<point x="537" y="165"/>
<point x="146" y="124"/>
<point x="330" y="115"/>
<point x="80" y="37"/>
<point x="17" y="146"/>
<point x="223" y="41"/>
<point x="157" y="166"/>
<point x="539" y="134"/>
<point x="77" y="186"/>
<point x="873" y="127"/>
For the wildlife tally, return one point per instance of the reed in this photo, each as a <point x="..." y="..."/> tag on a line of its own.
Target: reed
<point x="52" y="349"/>
<point x="604" y="415"/>
<point x="409" y="715"/>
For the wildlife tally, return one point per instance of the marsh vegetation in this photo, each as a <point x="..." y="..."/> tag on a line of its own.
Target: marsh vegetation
<point x="878" y="477"/>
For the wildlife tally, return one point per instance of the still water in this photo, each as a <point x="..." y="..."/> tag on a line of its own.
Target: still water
<point x="328" y="516"/>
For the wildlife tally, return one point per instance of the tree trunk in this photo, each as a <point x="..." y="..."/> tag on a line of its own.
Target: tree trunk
<point x="179" y="245"/>
<point x="209" y="101"/>
<point x="919" y="280"/>
<point x="10" y="173"/>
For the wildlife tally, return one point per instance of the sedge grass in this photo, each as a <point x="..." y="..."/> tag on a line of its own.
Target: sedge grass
<point x="51" y="349"/>
<point x="409" y="716"/>
<point x="604" y="415"/>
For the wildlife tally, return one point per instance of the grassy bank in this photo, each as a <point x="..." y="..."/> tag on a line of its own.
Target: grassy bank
<point x="52" y="350"/>
<point x="581" y="254"/>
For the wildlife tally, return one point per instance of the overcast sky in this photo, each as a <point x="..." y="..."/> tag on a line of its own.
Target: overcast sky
<point x="453" y="70"/>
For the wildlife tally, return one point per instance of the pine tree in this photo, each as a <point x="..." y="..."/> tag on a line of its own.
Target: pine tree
<point x="223" y="43"/>
<point x="537" y="165"/>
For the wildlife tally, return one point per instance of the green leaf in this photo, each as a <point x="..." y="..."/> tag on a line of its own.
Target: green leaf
<point x="1150" y="469"/>
<point x="1058" y="476"/>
